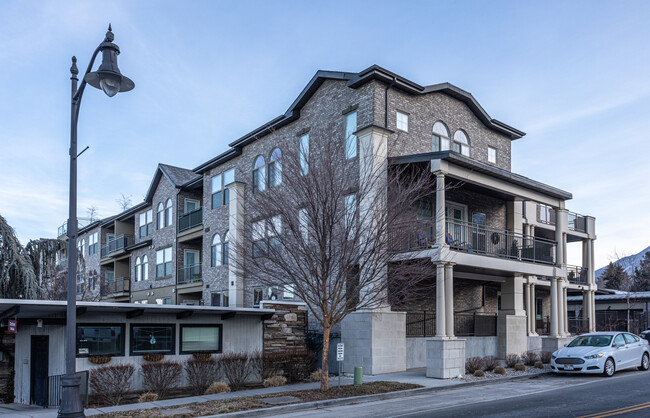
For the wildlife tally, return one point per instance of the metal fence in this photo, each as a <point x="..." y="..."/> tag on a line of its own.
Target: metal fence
<point x="421" y="324"/>
<point x="54" y="389"/>
<point x="576" y="274"/>
<point x="116" y="244"/>
<point x="190" y="219"/>
<point x="412" y="236"/>
<point x="618" y="321"/>
<point x="475" y="324"/>
<point x="189" y="274"/>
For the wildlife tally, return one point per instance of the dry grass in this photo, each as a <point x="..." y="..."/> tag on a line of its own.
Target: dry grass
<point x="245" y="403"/>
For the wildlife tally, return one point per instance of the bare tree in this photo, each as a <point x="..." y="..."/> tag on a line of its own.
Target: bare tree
<point x="17" y="277"/>
<point x="92" y="213"/>
<point x="322" y="230"/>
<point x="124" y="201"/>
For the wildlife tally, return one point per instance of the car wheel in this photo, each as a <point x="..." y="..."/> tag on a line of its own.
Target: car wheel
<point x="609" y="368"/>
<point x="645" y="362"/>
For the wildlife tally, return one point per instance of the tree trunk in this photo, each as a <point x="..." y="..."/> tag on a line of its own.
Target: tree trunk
<point x="325" y="376"/>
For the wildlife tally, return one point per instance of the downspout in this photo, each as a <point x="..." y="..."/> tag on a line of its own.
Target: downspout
<point x="392" y="83"/>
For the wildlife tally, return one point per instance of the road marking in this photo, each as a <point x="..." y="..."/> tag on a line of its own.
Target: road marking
<point x="618" y="411"/>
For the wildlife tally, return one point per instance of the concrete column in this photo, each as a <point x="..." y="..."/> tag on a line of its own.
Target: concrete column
<point x="440" y="301"/>
<point x="586" y="308"/>
<point x="532" y="328"/>
<point x="592" y="297"/>
<point x="528" y="306"/>
<point x="236" y="245"/>
<point x="592" y="269"/>
<point x="449" y="299"/>
<point x="554" y="308"/>
<point x="561" y="311"/>
<point x="561" y="224"/>
<point x="565" y="311"/>
<point x="511" y="321"/>
<point x="440" y="209"/>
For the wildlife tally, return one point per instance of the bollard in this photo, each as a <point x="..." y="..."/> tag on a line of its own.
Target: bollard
<point x="358" y="375"/>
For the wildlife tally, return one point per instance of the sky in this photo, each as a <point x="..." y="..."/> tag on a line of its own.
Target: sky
<point x="572" y="75"/>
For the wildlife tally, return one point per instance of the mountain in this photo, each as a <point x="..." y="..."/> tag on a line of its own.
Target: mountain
<point x="628" y="263"/>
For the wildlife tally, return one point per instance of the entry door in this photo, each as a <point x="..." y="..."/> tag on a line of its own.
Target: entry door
<point x="455" y="215"/>
<point x="191" y="205"/>
<point x="39" y="368"/>
<point x="478" y="232"/>
<point x="191" y="264"/>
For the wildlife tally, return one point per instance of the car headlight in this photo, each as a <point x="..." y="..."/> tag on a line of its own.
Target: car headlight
<point x="594" y="356"/>
<point x="553" y="356"/>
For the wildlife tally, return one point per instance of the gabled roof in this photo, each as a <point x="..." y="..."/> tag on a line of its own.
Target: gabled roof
<point x="177" y="176"/>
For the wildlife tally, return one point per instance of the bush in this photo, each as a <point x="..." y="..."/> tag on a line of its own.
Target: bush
<point x="479" y="373"/>
<point x="489" y="363"/>
<point x="546" y="357"/>
<point x="111" y="383"/>
<point x="539" y="364"/>
<point x="159" y="377"/>
<point x="217" y="387"/>
<point x="473" y="364"/>
<point x="512" y="360"/>
<point x="202" y="356"/>
<point x="272" y="364"/>
<point x="235" y="368"/>
<point x="275" y="381"/>
<point x="148" y="397"/>
<point x="201" y="372"/>
<point x="520" y="367"/>
<point x="500" y="370"/>
<point x="256" y="365"/>
<point x="316" y="376"/>
<point x="299" y="365"/>
<point x="529" y="358"/>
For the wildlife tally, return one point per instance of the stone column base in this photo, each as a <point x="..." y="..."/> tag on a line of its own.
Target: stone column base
<point x="512" y="333"/>
<point x="551" y="344"/>
<point x="445" y="357"/>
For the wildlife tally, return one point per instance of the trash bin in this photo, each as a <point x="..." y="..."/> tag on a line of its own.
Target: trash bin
<point x="358" y="376"/>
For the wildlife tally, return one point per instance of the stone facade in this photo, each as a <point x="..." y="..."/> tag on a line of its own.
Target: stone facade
<point x="287" y="328"/>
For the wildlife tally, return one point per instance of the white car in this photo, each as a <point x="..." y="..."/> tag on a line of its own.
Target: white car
<point x="602" y="352"/>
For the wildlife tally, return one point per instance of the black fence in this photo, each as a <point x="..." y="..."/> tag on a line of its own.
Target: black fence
<point x="190" y="220"/>
<point x="423" y="324"/>
<point x="116" y="244"/>
<point x="618" y="321"/>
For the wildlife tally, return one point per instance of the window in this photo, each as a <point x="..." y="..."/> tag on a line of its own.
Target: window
<point x="81" y="248"/>
<point x="146" y="339"/>
<point x="138" y="269"/>
<point x="224" y="251"/>
<point x="630" y="339"/>
<point x="619" y="340"/>
<point x="160" y="216"/>
<point x="220" y="193"/>
<point x="304" y="154"/>
<point x="225" y="299"/>
<point x="93" y="240"/>
<point x="146" y="220"/>
<point x="273" y="293"/>
<point x="100" y="340"/>
<point x="440" y="137"/>
<point x="259" y="175"/>
<point x="259" y="233"/>
<point x="350" y="137"/>
<point x="164" y="262"/>
<point x="288" y="292"/>
<point x="215" y="299"/>
<point x="201" y="339"/>
<point x="258" y="295"/>
<point x="492" y="155"/>
<point x="402" y="121"/>
<point x="168" y="212"/>
<point x="275" y="168"/>
<point x="303" y="220"/>
<point x="275" y="229"/>
<point x="461" y="143"/>
<point x="425" y="210"/>
<point x="538" y="309"/>
<point x="145" y="268"/>
<point x="350" y="209"/>
<point x="215" y="251"/>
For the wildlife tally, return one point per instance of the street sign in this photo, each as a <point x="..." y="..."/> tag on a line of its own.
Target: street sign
<point x="12" y="326"/>
<point x="339" y="351"/>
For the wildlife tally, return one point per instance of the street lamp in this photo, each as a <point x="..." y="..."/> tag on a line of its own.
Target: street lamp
<point x="109" y="79"/>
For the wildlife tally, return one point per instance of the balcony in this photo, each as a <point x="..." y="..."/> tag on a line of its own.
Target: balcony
<point x="116" y="244"/>
<point x="576" y="222"/>
<point x="117" y="286"/>
<point x="190" y="220"/>
<point x="576" y="274"/>
<point x="189" y="275"/>
<point x="63" y="229"/>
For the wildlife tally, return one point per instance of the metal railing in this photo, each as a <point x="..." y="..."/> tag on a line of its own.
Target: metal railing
<point x="119" y="285"/>
<point x="63" y="229"/>
<point x="421" y="324"/>
<point x="54" y="389"/>
<point x="617" y="320"/>
<point x="543" y="325"/>
<point x="190" y="220"/>
<point x="189" y="274"/>
<point x="577" y="222"/>
<point x="576" y="274"/>
<point x="410" y="236"/>
<point x="578" y="325"/>
<point x="116" y="244"/>
<point x="475" y="324"/>
<point x="545" y="214"/>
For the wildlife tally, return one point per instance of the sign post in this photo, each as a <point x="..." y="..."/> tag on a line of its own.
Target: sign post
<point x="339" y="358"/>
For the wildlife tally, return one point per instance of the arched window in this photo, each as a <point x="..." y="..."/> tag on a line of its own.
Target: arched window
<point x="461" y="143"/>
<point x="215" y="251"/>
<point x="138" y="269"/>
<point x="226" y="240"/>
<point x="440" y="137"/>
<point x="275" y="168"/>
<point x="259" y="174"/>
<point x="161" y="216"/>
<point x="145" y="268"/>
<point x="168" y="212"/>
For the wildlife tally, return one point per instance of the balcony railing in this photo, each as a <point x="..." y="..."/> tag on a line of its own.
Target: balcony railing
<point x="577" y="222"/>
<point x="547" y="215"/>
<point x="578" y="325"/>
<point x="116" y="244"/>
<point x="190" y="219"/>
<point x="423" y="324"/>
<point x="189" y="274"/>
<point x="119" y="285"/>
<point x="576" y="274"/>
<point x="63" y="229"/>
<point x="411" y="236"/>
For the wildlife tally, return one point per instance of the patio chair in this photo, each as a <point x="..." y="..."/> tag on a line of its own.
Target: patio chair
<point x="457" y="244"/>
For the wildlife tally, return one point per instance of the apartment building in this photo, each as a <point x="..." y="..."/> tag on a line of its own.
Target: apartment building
<point x="496" y="240"/>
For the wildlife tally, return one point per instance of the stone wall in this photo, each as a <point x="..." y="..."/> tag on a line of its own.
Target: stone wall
<point x="287" y="328"/>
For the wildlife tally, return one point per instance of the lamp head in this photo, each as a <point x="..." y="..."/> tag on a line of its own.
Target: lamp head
<point x="108" y="77"/>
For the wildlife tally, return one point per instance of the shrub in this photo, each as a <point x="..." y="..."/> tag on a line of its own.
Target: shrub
<point x="256" y="364"/>
<point x="479" y="373"/>
<point x="539" y="364"/>
<point x="275" y="381"/>
<point x="161" y="376"/>
<point x="489" y="363"/>
<point x="316" y="376"/>
<point x="546" y="357"/>
<point x="202" y="356"/>
<point x="473" y="364"/>
<point x="217" y="387"/>
<point x="148" y="397"/>
<point x="235" y="368"/>
<point x="529" y="358"/>
<point x="520" y="367"/>
<point x="201" y="373"/>
<point x="111" y="383"/>
<point x="153" y="357"/>
<point x="500" y="370"/>
<point x="272" y="364"/>
<point x="8" y="393"/>
<point x="512" y="360"/>
<point x="299" y="364"/>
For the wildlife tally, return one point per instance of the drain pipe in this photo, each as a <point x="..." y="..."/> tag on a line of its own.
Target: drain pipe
<point x="392" y="83"/>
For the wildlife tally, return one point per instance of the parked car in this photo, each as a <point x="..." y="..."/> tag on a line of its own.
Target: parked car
<point x="602" y="352"/>
<point x="645" y="334"/>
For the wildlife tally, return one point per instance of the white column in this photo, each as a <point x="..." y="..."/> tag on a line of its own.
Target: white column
<point x="236" y="245"/>
<point x="530" y="304"/>
<point x="449" y="299"/>
<point x="554" y="308"/>
<point x="586" y="308"/>
<point x="565" y="311"/>
<point x="561" y="223"/>
<point x="528" y="309"/>
<point x="561" y="312"/>
<point x="440" y="301"/>
<point x="592" y="297"/>
<point x="440" y="209"/>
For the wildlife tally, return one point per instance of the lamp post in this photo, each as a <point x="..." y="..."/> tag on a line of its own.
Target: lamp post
<point x="109" y="79"/>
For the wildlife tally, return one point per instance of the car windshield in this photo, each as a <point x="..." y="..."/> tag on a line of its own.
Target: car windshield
<point x="591" y="341"/>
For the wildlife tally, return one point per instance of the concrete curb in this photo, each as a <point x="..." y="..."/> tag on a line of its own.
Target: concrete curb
<point x="297" y="407"/>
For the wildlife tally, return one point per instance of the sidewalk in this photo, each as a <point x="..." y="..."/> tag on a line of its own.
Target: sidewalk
<point x="416" y="376"/>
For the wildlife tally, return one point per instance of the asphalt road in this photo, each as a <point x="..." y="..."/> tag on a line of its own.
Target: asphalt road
<point x="627" y="394"/>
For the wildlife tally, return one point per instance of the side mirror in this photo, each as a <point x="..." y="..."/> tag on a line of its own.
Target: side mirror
<point x="566" y="345"/>
<point x="613" y="345"/>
